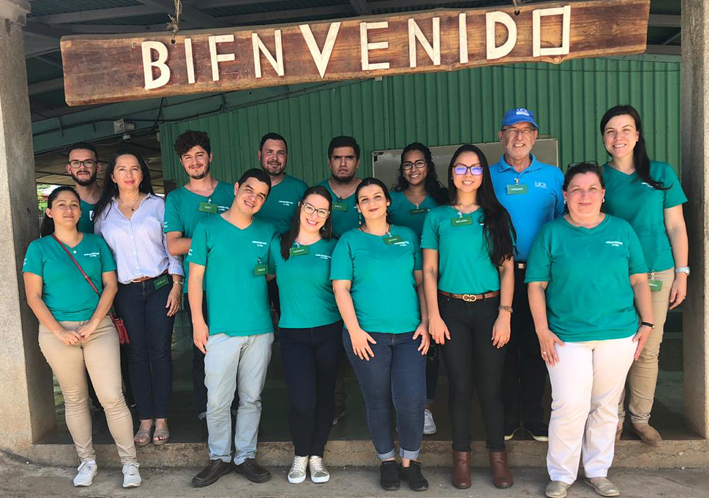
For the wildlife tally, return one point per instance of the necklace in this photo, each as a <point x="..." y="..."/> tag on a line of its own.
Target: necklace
<point x="132" y="208"/>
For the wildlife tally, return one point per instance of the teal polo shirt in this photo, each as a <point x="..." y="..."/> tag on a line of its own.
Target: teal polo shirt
<point x="589" y="297"/>
<point x="282" y="202"/>
<point x="643" y="206"/>
<point x="344" y="214"/>
<point x="406" y="214"/>
<point x="86" y="222"/>
<point x="236" y="266"/>
<point x="533" y="198"/>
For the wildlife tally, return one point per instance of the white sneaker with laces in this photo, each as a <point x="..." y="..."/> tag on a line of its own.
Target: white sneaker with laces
<point x="85" y="476"/>
<point x="318" y="471"/>
<point x="429" y="426"/>
<point x="131" y="476"/>
<point x="298" y="470"/>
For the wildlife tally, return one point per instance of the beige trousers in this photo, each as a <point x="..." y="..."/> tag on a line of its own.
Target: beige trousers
<point x="642" y="378"/>
<point x="100" y="355"/>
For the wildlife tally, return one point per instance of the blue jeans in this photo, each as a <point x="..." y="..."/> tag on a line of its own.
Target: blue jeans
<point x="396" y="374"/>
<point x="231" y="360"/>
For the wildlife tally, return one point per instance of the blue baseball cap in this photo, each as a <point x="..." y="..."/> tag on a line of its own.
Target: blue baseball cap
<point x="520" y="115"/>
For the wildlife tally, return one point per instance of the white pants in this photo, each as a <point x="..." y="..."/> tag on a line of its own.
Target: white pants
<point x="586" y="385"/>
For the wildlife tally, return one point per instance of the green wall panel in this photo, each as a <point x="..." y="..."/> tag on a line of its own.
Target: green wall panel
<point x="444" y="109"/>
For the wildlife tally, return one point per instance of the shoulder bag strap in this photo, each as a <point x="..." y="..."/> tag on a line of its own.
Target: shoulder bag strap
<point x="77" y="265"/>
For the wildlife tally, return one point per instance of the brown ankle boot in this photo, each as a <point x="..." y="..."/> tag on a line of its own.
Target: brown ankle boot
<point x="461" y="470"/>
<point x="500" y="473"/>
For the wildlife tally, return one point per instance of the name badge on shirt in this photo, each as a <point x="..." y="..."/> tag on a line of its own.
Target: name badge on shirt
<point x="418" y="211"/>
<point x="261" y="270"/>
<point x="339" y="206"/>
<point x="160" y="282"/>
<point x="516" y="189"/>
<point x="392" y="239"/>
<point x="462" y="220"/>
<point x="655" y="285"/>
<point x="207" y="207"/>
<point x="299" y="251"/>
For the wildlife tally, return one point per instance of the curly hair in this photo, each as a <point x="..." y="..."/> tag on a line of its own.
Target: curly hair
<point x="192" y="138"/>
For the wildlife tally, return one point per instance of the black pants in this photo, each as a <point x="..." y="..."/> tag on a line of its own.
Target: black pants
<point x="433" y="366"/>
<point x="525" y="375"/>
<point x="198" y="387"/>
<point x="142" y="307"/>
<point x="311" y="358"/>
<point x="472" y="361"/>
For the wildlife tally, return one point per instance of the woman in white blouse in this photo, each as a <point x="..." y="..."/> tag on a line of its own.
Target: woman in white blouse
<point x="130" y="216"/>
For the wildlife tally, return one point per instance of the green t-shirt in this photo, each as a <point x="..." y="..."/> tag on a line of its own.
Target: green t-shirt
<point x="589" y="297"/>
<point x="86" y="222"/>
<point x="406" y="214"/>
<point x="344" y="214"/>
<point x="237" y="297"/>
<point x="282" y="202"/>
<point x="382" y="275"/>
<point x="644" y="208"/>
<point x="464" y="264"/>
<point x="304" y="285"/>
<point x="185" y="209"/>
<point x="65" y="291"/>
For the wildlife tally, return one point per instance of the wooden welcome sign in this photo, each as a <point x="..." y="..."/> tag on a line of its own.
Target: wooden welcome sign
<point x="118" y="68"/>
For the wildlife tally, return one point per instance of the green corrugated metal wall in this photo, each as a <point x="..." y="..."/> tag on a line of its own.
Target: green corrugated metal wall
<point x="444" y="109"/>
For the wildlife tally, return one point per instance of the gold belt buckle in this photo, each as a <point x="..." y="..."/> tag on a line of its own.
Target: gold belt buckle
<point x="470" y="298"/>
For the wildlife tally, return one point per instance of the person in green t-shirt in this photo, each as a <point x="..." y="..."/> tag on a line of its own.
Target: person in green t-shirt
<point x="417" y="190"/>
<point x="70" y="283"/>
<point x="469" y="281"/>
<point x="202" y="197"/>
<point x="647" y="194"/>
<point x="310" y="329"/>
<point x="83" y="166"/>
<point x="376" y="276"/>
<point x="587" y="284"/>
<point x="229" y="252"/>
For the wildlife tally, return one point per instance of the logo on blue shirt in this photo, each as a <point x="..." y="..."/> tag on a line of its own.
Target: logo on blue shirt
<point x="614" y="243"/>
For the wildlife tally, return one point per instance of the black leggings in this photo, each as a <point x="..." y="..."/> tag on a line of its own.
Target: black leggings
<point x="472" y="361"/>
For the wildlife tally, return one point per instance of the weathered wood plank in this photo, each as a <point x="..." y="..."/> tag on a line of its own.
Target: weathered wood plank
<point x="110" y="69"/>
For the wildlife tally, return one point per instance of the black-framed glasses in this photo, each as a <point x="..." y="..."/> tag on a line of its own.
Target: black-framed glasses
<point x="89" y="163"/>
<point x="310" y="209"/>
<point x="462" y="169"/>
<point x="420" y="164"/>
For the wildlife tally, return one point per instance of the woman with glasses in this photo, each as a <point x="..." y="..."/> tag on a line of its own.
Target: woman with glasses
<point x="469" y="282"/>
<point x="310" y="330"/>
<point x="647" y="194"/>
<point x="589" y="296"/>
<point x="376" y="275"/>
<point x="417" y="191"/>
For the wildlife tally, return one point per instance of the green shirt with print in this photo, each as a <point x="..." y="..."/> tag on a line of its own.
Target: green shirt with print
<point x="185" y="209"/>
<point x="281" y="203"/>
<point x="345" y="216"/>
<point x="236" y="266"/>
<point x="86" y="222"/>
<point x="464" y="264"/>
<point x="381" y="270"/>
<point x="404" y="213"/>
<point x="65" y="291"/>
<point x="643" y="206"/>
<point x="304" y="285"/>
<point x="589" y="297"/>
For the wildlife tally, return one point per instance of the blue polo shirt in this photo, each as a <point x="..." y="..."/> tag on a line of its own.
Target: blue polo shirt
<point x="538" y="199"/>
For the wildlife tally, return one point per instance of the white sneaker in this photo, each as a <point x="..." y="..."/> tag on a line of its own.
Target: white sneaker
<point x="85" y="476"/>
<point x="429" y="426"/>
<point x="318" y="471"/>
<point x="298" y="470"/>
<point x="131" y="476"/>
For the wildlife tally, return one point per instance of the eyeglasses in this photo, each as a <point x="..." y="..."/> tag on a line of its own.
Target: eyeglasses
<point x="525" y="132"/>
<point x="462" y="169"/>
<point x="89" y="163"/>
<point x="420" y="164"/>
<point x="309" y="209"/>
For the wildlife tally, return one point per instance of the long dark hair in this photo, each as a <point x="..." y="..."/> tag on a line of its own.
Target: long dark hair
<point x="641" y="160"/>
<point x="288" y="238"/>
<point x="110" y="189"/>
<point x="498" y="227"/>
<point x="373" y="181"/>
<point x="47" y="227"/>
<point x="433" y="186"/>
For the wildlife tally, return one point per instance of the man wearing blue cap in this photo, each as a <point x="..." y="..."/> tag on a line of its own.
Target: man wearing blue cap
<point x="532" y="193"/>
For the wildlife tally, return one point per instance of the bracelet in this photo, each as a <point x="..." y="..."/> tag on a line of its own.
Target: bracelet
<point x="647" y="324"/>
<point x="178" y="282"/>
<point x="682" y="269"/>
<point x="505" y="308"/>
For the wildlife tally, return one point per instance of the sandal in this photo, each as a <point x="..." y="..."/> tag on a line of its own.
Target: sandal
<point x="161" y="436"/>
<point x="143" y="436"/>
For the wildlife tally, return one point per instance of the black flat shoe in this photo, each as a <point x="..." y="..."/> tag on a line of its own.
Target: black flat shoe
<point x="211" y="473"/>
<point x="252" y="471"/>
<point x="389" y="475"/>
<point x="412" y="473"/>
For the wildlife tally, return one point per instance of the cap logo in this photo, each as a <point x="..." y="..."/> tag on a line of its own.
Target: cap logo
<point x="522" y="112"/>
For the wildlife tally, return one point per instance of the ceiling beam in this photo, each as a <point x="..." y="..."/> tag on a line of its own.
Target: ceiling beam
<point x="210" y="4"/>
<point x="97" y="15"/>
<point x="188" y="13"/>
<point x="360" y="7"/>
<point x="664" y="49"/>
<point x="51" y="61"/>
<point x="290" y="14"/>
<point x="665" y="21"/>
<point x="40" y="29"/>
<point x="46" y="86"/>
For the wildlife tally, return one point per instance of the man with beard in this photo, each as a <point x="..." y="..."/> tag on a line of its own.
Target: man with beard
<point x="286" y="191"/>
<point x="203" y="197"/>
<point x="83" y="166"/>
<point x="343" y="157"/>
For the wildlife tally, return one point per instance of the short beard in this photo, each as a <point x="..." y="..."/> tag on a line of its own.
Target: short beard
<point x="271" y="173"/>
<point x="84" y="183"/>
<point x="343" y="179"/>
<point x="201" y="175"/>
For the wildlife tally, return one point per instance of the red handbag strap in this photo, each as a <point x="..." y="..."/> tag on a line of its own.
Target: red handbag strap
<point x="77" y="265"/>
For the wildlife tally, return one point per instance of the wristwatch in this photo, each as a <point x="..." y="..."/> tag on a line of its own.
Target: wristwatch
<point x="682" y="269"/>
<point x="647" y="324"/>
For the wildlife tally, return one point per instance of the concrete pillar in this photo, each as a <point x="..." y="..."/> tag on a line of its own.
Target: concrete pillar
<point x="26" y="400"/>
<point x="695" y="178"/>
